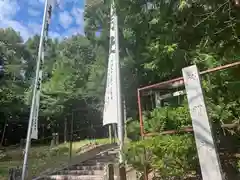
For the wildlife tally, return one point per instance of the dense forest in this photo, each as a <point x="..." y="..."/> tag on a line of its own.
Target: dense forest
<point x="157" y="39"/>
<point x="66" y="90"/>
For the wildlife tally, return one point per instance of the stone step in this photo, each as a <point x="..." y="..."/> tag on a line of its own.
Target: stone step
<point x="90" y="164"/>
<point x="76" y="177"/>
<point x="109" y="156"/>
<point x="95" y="161"/>
<point x="110" y="153"/>
<point x="86" y="167"/>
<point x="81" y="172"/>
<point x="106" y="157"/>
<point x="91" y="169"/>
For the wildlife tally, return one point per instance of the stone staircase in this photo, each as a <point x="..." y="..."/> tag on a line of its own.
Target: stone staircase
<point x="91" y="169"/>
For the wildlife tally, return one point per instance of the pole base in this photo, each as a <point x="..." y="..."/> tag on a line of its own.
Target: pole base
<point x="110" y="172"/>
<point x="122" y="172"/>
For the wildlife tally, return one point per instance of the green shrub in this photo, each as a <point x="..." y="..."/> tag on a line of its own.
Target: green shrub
<point x="4" y="157"/>
<point x="133" y="130"/>
<point x="168" y="155"/>
<point x="58" y="150"/>
<point x="167" y="118"/>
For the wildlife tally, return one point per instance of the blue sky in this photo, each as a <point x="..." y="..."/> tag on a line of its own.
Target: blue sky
<point x="25" y="16"/>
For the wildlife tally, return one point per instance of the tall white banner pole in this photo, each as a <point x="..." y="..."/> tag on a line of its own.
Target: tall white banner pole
<point x="34" y="134"/>
<point x="119" y="96"/>
<point x="207" y="154"/>
<point x="35" y="89"/>
<point x="110" y="113"/>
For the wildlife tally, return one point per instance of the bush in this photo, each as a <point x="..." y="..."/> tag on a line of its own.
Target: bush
<point x="167" y="118"/>
<point x="58" y="150"/>
<point x="160" y="119"/>
<point x="133" y="130"/>
<point x="4" y="156"/>
<point x="167" y="155"/>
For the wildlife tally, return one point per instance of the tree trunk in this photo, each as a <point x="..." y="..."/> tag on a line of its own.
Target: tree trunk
<point x="110" y="133"/>
<point x="65" y="130"/>
<point x="125" y="119"/>
<point x="43" y="133"/>
<point x="3" y="134"/>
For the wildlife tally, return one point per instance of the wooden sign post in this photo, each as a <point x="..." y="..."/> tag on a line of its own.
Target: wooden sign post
<point x="208" y="158"/>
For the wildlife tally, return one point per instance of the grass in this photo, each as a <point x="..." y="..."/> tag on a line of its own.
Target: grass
<point x="42" y="158"/>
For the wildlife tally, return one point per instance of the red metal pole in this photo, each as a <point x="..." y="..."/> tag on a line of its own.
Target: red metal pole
<point x="140" y="113"/>
<point x="142" y="132"/>
<point x="187" y="129"/>
<point x="219" y="68"/>
<point x="164" y="83"/>
<point x="161" y="84"/>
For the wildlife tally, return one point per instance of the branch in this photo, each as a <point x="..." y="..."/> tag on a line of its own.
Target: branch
<point x="189" y="129"/>
<point x="210" y="14"/>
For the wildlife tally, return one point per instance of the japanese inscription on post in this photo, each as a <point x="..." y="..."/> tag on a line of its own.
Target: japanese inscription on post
<point x="208" y="158"/>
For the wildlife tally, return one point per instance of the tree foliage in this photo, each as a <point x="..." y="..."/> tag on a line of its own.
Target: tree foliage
<point x="157" y="39"/>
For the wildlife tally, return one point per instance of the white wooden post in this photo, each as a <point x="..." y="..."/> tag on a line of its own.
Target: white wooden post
<point x="208" y="158"/>
<point x="157" y="99"/>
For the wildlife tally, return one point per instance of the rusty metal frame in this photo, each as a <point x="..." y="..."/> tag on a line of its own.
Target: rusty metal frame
<point x="177" y="82"/>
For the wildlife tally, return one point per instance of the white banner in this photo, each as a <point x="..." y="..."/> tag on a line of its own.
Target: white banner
<point x="34" y="134"/>
<point x="110" y="115"/>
